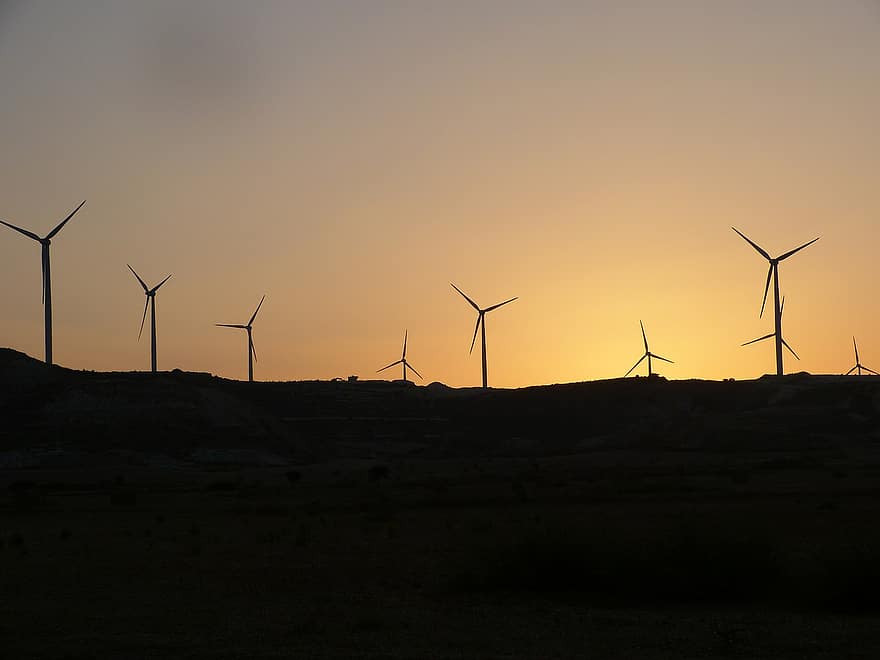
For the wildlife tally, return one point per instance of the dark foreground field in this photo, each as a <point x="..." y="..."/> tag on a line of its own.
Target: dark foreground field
<point x="640" y="519"/>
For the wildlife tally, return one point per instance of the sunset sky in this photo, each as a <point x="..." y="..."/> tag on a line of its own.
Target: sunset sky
<point x="351" y="159"/>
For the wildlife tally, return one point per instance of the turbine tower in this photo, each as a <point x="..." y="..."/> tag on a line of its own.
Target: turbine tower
<point x="252" y="352"/>
<point x="151" y="303"/>
<point x="481" y="321"/>
<point x="47" y="279"/>
<point x="648" y="354"/>
<point x="773" y="273"/>
<point x="402" y="361"/>
<point x="781" y="340"/>
<point x="859" y="366"/>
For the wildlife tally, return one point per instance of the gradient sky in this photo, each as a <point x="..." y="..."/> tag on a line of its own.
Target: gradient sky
<point x="350" y="159"/>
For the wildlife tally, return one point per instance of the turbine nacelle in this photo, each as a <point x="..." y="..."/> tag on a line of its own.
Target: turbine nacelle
<point x="647" y="355"/>
<point x="248" y="327"/>
<point x="773" y="275"/>
<point x="481" y="321"/>
<point x="859" y="366"/>
<point x="45" y="242"/>
<point x="402" y="361"/>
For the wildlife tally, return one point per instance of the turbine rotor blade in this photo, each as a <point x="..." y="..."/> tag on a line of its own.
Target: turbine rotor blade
<point x="644" y="336"/>
<point x="754" y="341"/>
<point x="798" y="249"/>
<point x="231" y="325"/>
<point x="476" y="328"/>
<point x="757" y="247"/>
<point x="253" y="347"/>
<point x="389" y="366"/>
<point x="635" y="365"/>
<point x="64" y="222"/>
<point x="143" y="284"/>
<point x="657" y="357"/>
<point x="473" y="304"/>
<point x="405" y="333"/>
<point x="27" y="233"/>
<point x="851" y="370"/>
<point x="146" y="304"/>
<point x="156" y="288"/>
<point x="871" y="371"/>
<point x="413" y="369"/>
<point x="766" y="291"/>
<point x="251" y="322"/>
<point x="790" y="349"/>
<point x="489" y="309"/>
<point x="856" y="349"/>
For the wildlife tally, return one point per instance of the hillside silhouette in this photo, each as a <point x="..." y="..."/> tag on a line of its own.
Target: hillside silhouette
<point x="384" y="519"/>
<point x="184" y="415"/>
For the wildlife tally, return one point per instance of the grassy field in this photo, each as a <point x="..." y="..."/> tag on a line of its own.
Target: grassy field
<point x="484" y="558"/>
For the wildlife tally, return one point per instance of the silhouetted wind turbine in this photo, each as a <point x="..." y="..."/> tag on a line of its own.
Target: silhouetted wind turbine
<point x="648" y="354"/>
<point x="780" y="339"/>
<point x="252" y="352"/>
<point x="859" y="366"/>
<point x="151" y="303"/>
<point x="47" y="279"/>
<point x="402" y="361"/>
<point x="773" y="272"/>
<point x="481" y="321"/>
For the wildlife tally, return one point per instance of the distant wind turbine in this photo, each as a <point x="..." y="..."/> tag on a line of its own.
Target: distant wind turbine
<point x="859" y="366"/>
<point x="252" y="352"/>
<point x="47" y="279"/>
<point x="780" y="339"/>
<point x="648" y="354"/>
<point x="151" y="303"/>
<point x="773" y="273"/>
<point x="402" y="361"/>
<point x="481" y="321"/>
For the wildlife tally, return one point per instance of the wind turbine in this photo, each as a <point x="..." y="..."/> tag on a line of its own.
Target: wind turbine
<point x="858" y="368"/>
<point x="47" y="279"/>
<point x="402" y="361"/>
<point x="773" y="273"/>
<point x="252" y="352"/>
<point x="151" y="303"/>
<point x="481" y="321"/>
<point x="648" y="354"/>
<point x="780" y="339"/>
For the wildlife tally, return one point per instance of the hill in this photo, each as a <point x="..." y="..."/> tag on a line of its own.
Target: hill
<point x="189" y="516"/>
<point x="57" y="416"/>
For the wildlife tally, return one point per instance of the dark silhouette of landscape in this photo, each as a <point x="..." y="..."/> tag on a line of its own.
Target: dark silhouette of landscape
<point x="194" y="516"/>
